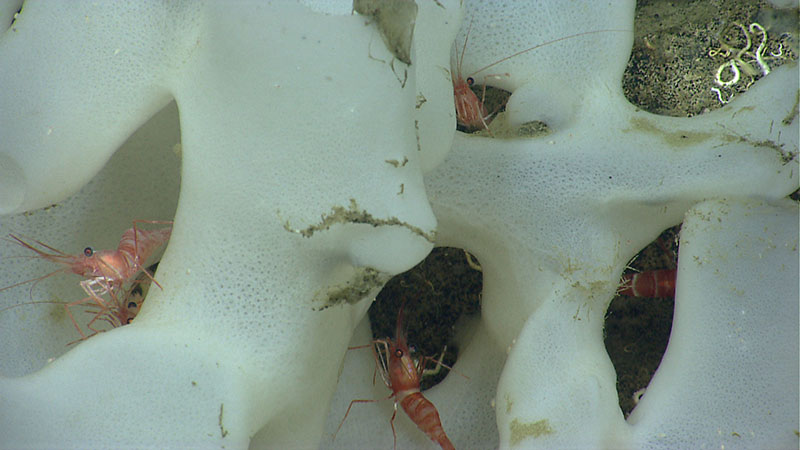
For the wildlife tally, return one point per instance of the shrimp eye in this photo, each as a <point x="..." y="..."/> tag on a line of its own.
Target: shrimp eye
<point x="88" y="251"/>
<point x="132" y="305"/>
<point x="470" y="81"/>
<point x="398" y="353"/>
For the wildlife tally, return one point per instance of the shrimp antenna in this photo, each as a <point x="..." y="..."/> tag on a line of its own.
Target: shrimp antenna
<point x="54" y="257"/>
<point x="541" y="45"/>
<point x="57" y="256"/>
<point x="37" y="302"/>
<point x="464" y="47"/>
<point x="34" y="280"/>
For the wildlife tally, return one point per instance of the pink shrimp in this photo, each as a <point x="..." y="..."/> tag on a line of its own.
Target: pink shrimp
<point x="471" y="112"/>
<point x="402" y="375"/>
<point x="121" y="311"/>
<point x="650" y="284"/>
<point x="105" y="271"/>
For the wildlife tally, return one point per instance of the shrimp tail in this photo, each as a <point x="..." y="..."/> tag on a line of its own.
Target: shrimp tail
<point x="425" y="415"/>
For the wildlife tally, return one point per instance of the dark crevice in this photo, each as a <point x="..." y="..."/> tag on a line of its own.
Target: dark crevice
<point x="436" y="293"/>
<point x="637" y="329"/>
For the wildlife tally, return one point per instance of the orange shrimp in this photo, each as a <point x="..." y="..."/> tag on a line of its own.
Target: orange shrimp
<point x="470" y="112"/>
<point x="649" y="284"/>
<point x="401" y="373"/>
<point x="105" y="271"/>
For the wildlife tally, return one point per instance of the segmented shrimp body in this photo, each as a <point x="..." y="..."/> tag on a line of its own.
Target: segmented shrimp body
<point x="470" y="112"/>
<point x="650" y="284"/>
<point x="402" y="375"/>
<point x="118" y="266"/>
<point x="425" y="415"/>
<point x="106" y="271"/>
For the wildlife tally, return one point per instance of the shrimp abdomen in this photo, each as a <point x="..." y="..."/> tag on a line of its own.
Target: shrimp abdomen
<point x="423" y="413"/>
<point x="650" y="284"/>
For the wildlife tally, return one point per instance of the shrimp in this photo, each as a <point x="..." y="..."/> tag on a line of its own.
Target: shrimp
<point x="471" y="113"/>
<point x="104" y="271"/>
<point x="120" y="312"/>
<point x="649" y="284"/>
<point x="402" y="374"/>
<point x="123" y="309"/>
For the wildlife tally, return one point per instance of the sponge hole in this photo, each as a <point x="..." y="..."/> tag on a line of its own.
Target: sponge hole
<point x="637" y="329"/>
<point x="436" y="292"/>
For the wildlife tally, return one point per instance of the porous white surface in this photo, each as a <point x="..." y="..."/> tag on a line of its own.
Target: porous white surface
<point x="733" y="354"/>
<point x="112" y="61"/>
<point x="435" y="116"/>
<point x="144" y="179"/>
<point x="278" y="128"/>
<point x="549" y="219"/>
<point x="280" y="123"/>
<point x="552" y="82"/>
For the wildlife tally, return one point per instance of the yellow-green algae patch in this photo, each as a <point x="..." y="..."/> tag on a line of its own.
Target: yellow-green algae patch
<point x="353" y="214"/>
<point x="521" y="430"/>
<point x="363" y="281"/>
